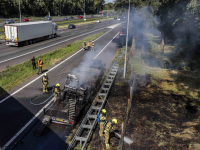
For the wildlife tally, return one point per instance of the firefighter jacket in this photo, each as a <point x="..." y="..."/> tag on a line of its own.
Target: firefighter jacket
<point x="56" y="90"/>
<point x="84" y="45"/>
<point x="45" y="80"/>
<point x="102" y="117"/>
<point x="89" y="44"/>
<point x="108" y="127"/>
<point x="92" y="43"/>
<point x="40" y="63"/>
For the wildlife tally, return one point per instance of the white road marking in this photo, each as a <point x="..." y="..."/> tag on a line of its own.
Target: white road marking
<point x="105" y="47"/>
<point x="113" y="26"/>
<point x="47" y="71"/>
<point x="27" y="124"/>
<point x="51" y="45"/>
<point x="36" y="115"/>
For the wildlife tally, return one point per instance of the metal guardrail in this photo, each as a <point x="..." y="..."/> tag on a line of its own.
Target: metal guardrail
<point x="91" y="115"/>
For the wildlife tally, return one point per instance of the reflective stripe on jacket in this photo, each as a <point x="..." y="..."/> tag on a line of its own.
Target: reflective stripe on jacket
<point x="102" y="118"/>
<point x="45" y="80"/>
<point x="40" y="63"/>
<point x="89" y="44"/>
<point x="56" y="90"/>
<point x="108" y="127"/>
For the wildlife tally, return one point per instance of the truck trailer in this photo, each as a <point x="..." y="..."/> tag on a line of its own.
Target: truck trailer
<point x="26" y="33"/>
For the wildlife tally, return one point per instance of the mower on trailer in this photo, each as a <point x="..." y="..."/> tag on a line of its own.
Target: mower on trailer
<point x="78" y="90"/>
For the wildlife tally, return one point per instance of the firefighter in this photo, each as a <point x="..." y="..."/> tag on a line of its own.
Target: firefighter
<point x="92" y="47"/>
<point x="102" y="121"/>
<point x="89" y="45"/>
<point x="107" y="129"/>
<point x="40" y="64"/>
<point x="45" y="83"/>
<point x="84" y="45"/>
<point x="56" y="91"/>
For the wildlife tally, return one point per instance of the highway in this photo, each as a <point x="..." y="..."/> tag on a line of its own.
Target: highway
<point x="15" y="108"/>
<point x="11" y="55"/>
<point x="56" y="20"/>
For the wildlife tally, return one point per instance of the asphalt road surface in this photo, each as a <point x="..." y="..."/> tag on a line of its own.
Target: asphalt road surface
<point x="56" y="20"/>
<point x="16" y="110"/>
<point x="11" y="55"/>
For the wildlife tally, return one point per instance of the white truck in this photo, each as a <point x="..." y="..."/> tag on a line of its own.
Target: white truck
<point x="26" y="33"/>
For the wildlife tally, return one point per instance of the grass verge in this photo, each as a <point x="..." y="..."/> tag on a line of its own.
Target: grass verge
<point x="2" y="36"/>
<point x="168" y="94"/>
<point x="15" y="75"/>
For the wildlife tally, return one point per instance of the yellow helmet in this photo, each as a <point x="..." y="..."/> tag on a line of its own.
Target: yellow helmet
<point x="45" y="74"/>
<point x="92" y="41"/>
<point x="114" y="121"/>
<point x="57" y="84"/>
<point x="103" y="111"/>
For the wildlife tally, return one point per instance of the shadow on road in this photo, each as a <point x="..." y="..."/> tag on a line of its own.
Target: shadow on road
<point x="14" y="116"/>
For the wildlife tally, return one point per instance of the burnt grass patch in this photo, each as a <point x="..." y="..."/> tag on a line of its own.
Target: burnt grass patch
<point x="157" y="120"/>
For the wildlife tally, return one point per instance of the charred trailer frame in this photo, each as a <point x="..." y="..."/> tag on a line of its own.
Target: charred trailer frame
<point x="74" y="97"/>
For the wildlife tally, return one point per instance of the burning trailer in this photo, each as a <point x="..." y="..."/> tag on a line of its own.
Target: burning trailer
<point x="75" y="96"/>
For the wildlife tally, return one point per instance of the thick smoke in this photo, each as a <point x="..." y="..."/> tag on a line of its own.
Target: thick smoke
<point x="179" y="29"/>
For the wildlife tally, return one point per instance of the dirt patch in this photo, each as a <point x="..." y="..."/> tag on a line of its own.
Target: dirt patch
<point x="157" y="120"/>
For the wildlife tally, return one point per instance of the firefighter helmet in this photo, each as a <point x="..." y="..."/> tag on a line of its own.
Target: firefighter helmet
<point x="92" y="41"/>
<point x="103" y="111"/>
<point x="114" y="121"/>
<point x="57" y="85"/>
<point x="45" y="74"/>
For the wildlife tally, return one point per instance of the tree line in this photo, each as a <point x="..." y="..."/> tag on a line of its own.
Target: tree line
<point x="10" y="8"/>
<point x="176" y="20"/>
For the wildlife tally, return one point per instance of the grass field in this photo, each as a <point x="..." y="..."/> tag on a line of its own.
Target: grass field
<point x="15" y="75"/>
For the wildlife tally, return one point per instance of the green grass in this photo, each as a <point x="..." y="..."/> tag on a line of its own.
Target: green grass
<point x="2" y="37"/>
<point x="1" y="29"/>
<point x="15" y="75"/>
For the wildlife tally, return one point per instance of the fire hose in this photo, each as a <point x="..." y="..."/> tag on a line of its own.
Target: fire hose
<point x="41" y="102"/>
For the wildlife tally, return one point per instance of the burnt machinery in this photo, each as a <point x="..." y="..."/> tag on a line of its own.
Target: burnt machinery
<point x="76" y="94"/>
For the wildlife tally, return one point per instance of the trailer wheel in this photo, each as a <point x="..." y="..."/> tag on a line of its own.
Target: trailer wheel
<point x="34" y="41"/>
<point x="30" y="42"/>
<point x="55" y="35"/>
<point x="26" y="43"/>
<point x="47" y="37"/>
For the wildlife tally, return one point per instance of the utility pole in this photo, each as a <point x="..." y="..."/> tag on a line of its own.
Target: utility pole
<point x="20" y="12"/>
<point x="126" y="42"/>
<point x="60" y="7"/>
<point x="84" y="12"/>
<point x="107" y="10"/>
